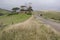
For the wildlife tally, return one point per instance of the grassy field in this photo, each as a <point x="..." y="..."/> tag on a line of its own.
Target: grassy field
<point x="52" y="15"/>
<point x="12" y="19"/>
<point x="30" y="30"/>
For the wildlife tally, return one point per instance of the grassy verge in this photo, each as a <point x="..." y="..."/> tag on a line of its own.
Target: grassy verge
<point x="7" y="20"/>
<point x="31" y="30"/>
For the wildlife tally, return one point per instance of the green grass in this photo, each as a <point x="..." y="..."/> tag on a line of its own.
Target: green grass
<point x="13" y="18"/>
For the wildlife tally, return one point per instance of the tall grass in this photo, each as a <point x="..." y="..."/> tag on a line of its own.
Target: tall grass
<point x="32" y="30"/>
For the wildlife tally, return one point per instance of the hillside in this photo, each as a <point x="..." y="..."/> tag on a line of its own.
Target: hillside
<point x="4" y="11"/>
<point x="31" y="29"/>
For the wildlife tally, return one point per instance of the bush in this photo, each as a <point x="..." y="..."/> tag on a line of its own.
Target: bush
<point x="12" y="14"/>
<point x="52" y="18"/>
<point x="40" y="14"/>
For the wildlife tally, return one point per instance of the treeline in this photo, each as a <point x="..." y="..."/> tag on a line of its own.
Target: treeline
<point x="22" y="9"/>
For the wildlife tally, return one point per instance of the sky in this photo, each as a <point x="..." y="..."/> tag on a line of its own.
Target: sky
<point x="36" y="4"/>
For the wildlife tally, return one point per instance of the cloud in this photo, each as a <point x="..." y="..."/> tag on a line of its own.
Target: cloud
<point x="37" y="4"/>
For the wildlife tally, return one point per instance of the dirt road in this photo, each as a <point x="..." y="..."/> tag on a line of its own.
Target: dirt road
<point x="55" y="25"/>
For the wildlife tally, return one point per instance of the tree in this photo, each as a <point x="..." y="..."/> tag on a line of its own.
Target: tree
<point x="15" y="9"/>
<point x="23" y="8"/>
<point x="26" y="9"/>
<point x="30" y="10"/>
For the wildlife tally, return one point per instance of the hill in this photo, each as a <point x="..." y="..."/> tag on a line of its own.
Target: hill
<point x="4" y="11"/>
<point x="31" y="29"/>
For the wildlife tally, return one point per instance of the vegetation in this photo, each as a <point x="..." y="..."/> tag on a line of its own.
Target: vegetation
<point x="27" y="10"/>
<point x="15" y="9"/>
<point x="52" y="15"/>
<point x="13" y="18"/>
<point x="31" y="30"/>
<point x="8" y="17"/>
<point x="30" y="10"/>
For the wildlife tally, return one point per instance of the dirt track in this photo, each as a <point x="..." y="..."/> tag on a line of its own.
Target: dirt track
<point x="54" y="25"/>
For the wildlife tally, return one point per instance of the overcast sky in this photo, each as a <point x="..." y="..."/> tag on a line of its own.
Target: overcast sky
<point x="36" y="4"/>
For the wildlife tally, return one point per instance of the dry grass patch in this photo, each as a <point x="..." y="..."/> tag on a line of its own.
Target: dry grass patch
<point x="29" y="30"/>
